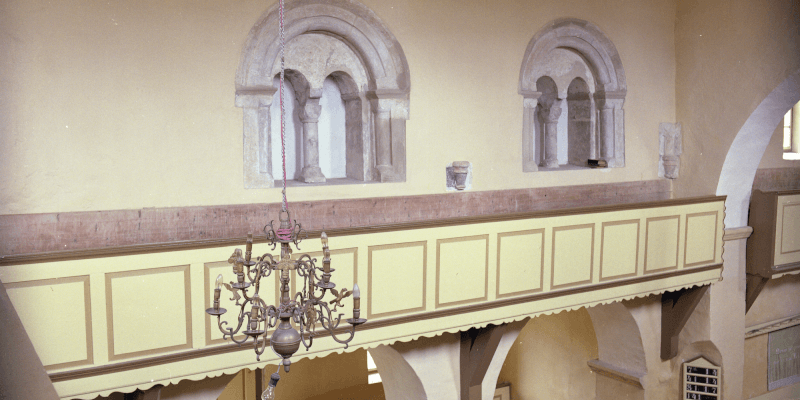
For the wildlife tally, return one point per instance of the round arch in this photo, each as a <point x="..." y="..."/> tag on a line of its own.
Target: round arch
<point x="582" y="37"/>
<point x="744" y="155"/>
<point x="378" y="111"/>
<point x="605" y="66"/>
<point x="349" y="21"/>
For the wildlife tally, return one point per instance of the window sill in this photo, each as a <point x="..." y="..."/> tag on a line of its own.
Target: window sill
<point x="328" y="182"/>
<point x="791" y="156"/>
<point x="568" y="167"/>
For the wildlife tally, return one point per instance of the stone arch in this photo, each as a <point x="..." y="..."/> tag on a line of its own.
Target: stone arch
<point x="610" y="87"/>
<point x="744" y="155"/>
<point x="384" y="96"/>
<point x="620" y="350"/>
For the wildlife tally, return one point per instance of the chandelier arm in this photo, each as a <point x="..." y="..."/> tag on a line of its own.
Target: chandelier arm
<point x="230" y="332"/>
<point x="263" y="345"/>
<point x="264" y="266"/>
<point x="345" y="342"/>
<point x="250" y="272"/>
<point x="272" y="314"/>
<point x="330" y="326"/>
<point x="304" y="328"/>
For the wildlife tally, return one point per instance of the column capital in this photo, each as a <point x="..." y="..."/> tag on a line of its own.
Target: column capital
<point x="310" y="110"/>
<point x="551" y="114"/>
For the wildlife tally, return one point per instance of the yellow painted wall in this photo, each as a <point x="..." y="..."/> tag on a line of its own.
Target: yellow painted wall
<point x="548" y="360"/>
<point x="124" y="105"/>
<point x="730" y="55"/>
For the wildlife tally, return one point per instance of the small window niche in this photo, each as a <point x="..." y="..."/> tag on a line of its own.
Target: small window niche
<point x="701" y="380"/>
<point x="347" y="101"/>
<point x="573" y="88"/>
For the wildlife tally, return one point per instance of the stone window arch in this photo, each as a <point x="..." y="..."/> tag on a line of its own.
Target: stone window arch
<point x="590" y="92"/>
<point x="336" y="40"/>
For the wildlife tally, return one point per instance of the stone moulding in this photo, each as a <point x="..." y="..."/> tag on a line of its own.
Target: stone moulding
<point x="379" y="135"/>
<point x="601" y="55"/>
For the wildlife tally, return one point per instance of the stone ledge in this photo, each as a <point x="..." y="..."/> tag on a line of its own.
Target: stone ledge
<point x="52" y="232"/>
<point x="614" y="372"/>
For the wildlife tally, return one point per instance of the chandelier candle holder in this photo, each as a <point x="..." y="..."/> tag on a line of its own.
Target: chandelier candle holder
<point x="308" y="309"/>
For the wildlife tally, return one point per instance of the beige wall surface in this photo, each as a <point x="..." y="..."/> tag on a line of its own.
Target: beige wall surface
<point x="730" y="56"/>
<point x="778" y="300"/>
<point x="548" y="360"/>
<point x="773" y="156"/>
<point x="121" y="105"/>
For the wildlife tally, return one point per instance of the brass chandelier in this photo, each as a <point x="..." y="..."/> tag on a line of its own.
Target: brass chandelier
<point x="305" y="308"/>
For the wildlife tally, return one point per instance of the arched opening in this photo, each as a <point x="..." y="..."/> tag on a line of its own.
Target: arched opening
<point x="294" y="150"/>
<point x="332" y="153"/>
<point x="580" y="132"/>
<point x="548" y="358"/>
<point x="744" y="155"/>
<point x="564" y="50"/>
<point x="327" y="41"/>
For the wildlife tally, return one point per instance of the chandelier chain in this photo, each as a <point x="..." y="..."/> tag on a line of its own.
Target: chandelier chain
<point x="285" y="206"/>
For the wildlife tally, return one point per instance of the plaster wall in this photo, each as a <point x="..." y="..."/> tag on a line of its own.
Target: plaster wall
<point x="730" y="56"/>
<point x="548" y="360"/>
<point x="332" y="373"/>
<point x="778" y="300"/>
<point x="773" y="155"/>
<point x="126" y="105"/>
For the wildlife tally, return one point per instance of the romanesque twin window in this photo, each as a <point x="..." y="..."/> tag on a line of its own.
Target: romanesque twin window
<point x="346" y="96"/>
<point x="573" y="89"/>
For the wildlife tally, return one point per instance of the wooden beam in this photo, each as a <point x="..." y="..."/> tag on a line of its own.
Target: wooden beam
<point x="259" y="382"/>
<point x="676" y="308"/>
<point x="755" y="283"/>
<point x="478" y="346"/>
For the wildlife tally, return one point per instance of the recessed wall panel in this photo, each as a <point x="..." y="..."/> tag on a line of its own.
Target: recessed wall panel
<point x="520" y="260"/>
<point x="700" y="239"/>
<point x="462" y="270"/>
<point x="790" y="229"/>
<point x="56" y="314"/>
<point x="148" y="311"/>
<point x="396" y="275"/>
<point x="661" y="243"/>
<point x="619" y="252"/>
<point x="573" y="254"/>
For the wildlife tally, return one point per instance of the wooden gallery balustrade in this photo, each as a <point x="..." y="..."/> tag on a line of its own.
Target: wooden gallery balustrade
<point x="119" y="321"/>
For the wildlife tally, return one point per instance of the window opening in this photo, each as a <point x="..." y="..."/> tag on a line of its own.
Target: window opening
<point x="791" y="133"/>
<point x="583" y="97"/>
<point x="293" y="146"/>
<point x="332" y="148"/>
<point x="351" y="86"/>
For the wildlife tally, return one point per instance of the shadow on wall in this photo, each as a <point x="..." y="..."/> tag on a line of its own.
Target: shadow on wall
<point x="548" y="360"/>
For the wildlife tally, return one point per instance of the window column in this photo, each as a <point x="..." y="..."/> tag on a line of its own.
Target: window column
<point x="309" y="116"/>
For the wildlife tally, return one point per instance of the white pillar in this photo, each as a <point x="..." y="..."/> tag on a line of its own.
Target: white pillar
<point x="309" y="116"/>
<point x="550" y="116"/>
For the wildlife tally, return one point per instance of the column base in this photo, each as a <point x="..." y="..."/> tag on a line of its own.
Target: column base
<point x="312" y="174"/>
